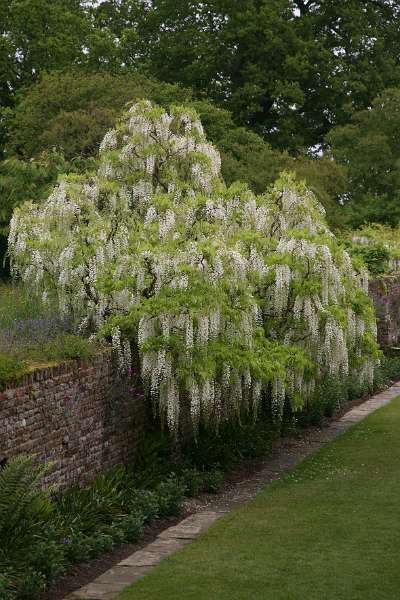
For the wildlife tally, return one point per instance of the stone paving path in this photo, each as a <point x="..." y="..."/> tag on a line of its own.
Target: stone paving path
<point x="113" y="581"/>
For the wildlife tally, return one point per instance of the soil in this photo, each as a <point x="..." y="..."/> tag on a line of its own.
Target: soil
<point x="285" y="453"/>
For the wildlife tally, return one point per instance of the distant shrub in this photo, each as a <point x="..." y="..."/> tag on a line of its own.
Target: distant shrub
<point x="11" y="369"/>
<point x="388" y="371"/>
<point x="378" y="246"/>
<point x="70" y="346"/>
<point x="33" y="332"/>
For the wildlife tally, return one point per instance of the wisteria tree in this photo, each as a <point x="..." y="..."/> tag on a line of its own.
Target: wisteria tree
<point x="228" y="297"/>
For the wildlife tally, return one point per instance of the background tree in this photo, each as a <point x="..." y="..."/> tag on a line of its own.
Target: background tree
<point x="39" y="35"/>
<point x="369" y="149"/>
<point x="269" y="79"/>
<point x="290" y="70"/>
<point x="71" y="110"/>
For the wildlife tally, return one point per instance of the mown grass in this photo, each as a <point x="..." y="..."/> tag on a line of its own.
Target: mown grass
<point x="330" y="530"/>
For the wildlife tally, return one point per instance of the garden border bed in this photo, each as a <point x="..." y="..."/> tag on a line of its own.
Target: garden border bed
<point x="241" y="484"/>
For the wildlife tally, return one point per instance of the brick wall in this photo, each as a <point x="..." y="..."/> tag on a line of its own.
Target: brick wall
<point x="81" y="416"/>
<point x="86" y="420"/>
<point x="385" y="293"/>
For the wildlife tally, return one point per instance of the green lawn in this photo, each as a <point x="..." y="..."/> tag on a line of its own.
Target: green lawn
<point x="330" y="530"/>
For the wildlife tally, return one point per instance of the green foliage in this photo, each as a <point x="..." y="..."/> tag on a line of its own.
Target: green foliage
<point x="376" y="257"/>
<point x="170" y="496"/>
<point x="11" y="369"/>
<point x="22" y="181"/>
<point x="58" y="123"/>
<point x="212" y="451"/>
<point x="153" y="457"/>
<point x="32" y="333"/>
<point x="368" y="147"/>
<point x="41" y="535"/>
<point x="196" y="481"/>
<point x="29" y="554"/>
<point x="81" y="547"/>
<point x="327" y="179"/>
<point x="388" y="371"/>
<point x="45" y="35"/>
<point x="89" y="509"/>
<point x="274" y="64"/>
<point x="378" y="246"/>
<point x="333" y="393"/>
<point x="71" y="111"/>
<point x="69" y="347"/>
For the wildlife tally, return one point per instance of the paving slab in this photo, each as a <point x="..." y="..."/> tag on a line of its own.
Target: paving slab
<point x="122" y="575"/>
<point x="144" y="558"/>
<point x="192" y="526"/>
<point x="94" y="591"/>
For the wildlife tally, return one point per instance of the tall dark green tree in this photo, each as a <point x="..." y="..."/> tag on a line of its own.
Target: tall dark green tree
<point x="369" y="148"/>
<point x="354" y="58"/>
<point x="246" y="55"/>
<point x="290" y="69"/>
<point x="39" y="35"/>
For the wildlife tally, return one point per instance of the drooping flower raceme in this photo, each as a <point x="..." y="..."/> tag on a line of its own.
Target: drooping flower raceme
<point x="227" y="296"/>
<point x="319" y="300"/>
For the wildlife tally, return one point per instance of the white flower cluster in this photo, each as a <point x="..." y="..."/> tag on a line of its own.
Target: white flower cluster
<point x="222" y="286"/>
<point x="314" y="289"/>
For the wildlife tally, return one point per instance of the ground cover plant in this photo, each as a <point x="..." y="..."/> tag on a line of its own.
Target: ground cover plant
<point x="44" y="532"/>
<point x="228" y="296"/>
<point x="314" y="534"/>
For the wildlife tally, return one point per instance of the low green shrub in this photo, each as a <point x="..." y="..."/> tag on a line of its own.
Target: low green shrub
<point x="333" y="393"/>
<point x="146" y="502"/>
<point x="81" y="547"/>
<point x="375" y="256"/>
<point x="90" y="509"/>
<point x="130" y="528"/>
<point x="193" y="480"/>
<point x="328" y="397"/>
<point x="30" y="584"/>
<point x="170" y="497"/>
<point x="11" y="369"/>
<point x="388" y="371"/>
<point x="213" y="481"/>
<point x="251" y="439"/>
<point x="30" y="553"/>
<point x="69" y="347"/>
<point x="55" y="530"/>
<point x="154" y="458"/>
<point x="196" y="481"/>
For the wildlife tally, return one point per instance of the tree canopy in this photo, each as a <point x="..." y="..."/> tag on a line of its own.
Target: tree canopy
<point x="291" y="70"/>
<point x="368" y="146"/>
